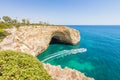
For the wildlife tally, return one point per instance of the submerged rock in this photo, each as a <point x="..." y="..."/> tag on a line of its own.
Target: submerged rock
<point x="35" y="40"/>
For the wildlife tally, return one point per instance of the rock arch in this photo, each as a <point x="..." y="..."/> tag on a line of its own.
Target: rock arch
<point x="60" y="37"/>
<point x="35" y="40"/>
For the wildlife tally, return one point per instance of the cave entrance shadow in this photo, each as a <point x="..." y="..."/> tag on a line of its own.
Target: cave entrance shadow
<point x="56" y="41"/>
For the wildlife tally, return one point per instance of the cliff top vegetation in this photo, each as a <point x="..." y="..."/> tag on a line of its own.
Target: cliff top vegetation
<point x="21" y="66"/>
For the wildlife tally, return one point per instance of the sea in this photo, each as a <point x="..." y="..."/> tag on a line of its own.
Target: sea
<point x="101" y="60"/>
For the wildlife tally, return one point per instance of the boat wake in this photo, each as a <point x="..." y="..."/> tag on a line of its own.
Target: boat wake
<point x="64" y="53"/>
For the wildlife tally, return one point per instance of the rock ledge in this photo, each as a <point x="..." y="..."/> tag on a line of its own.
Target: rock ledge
<point x="58" y="73"/>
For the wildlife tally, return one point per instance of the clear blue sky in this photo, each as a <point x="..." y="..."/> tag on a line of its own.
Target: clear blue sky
<point x="76" y="12"/>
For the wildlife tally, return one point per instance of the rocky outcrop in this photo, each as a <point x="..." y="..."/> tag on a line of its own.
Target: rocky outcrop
<point x="58" y="73"/>
<point x="35" y="40"/>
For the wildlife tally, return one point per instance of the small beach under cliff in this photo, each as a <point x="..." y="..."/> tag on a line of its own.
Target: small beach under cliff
<point x="102" y="58"/>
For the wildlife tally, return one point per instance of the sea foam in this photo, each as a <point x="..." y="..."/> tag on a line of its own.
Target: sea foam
<point x="64" y="53"/>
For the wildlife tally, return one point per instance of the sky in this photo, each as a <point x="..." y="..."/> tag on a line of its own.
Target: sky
<point x="64" y="12"/>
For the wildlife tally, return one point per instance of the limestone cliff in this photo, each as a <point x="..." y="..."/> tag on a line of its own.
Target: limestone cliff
<point x="35" y="40"/>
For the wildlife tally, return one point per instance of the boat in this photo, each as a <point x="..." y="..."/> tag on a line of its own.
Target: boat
<point x="75" y="51"/>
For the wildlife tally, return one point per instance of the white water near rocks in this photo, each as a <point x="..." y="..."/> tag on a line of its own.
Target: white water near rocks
<point x="64" y="53"/>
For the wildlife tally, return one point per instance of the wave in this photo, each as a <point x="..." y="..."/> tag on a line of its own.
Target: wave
<point x="64" y="53"/>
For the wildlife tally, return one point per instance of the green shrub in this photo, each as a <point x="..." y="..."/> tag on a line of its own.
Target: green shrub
<point x="21" y="66"/>
<point x="17" y="25"/>
<point x="1" y="31"/>
<point x="3" y="34"/>
<point x="5" y="25"/>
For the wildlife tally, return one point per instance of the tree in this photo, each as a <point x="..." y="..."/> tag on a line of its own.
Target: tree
<point x="23" y="21"/>
<point x="27" y="22"/>
<point x="14" y="21"/>
<point x="6" y="18"/>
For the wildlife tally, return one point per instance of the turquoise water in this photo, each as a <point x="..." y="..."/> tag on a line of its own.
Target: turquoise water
<point x="102" y="58"/>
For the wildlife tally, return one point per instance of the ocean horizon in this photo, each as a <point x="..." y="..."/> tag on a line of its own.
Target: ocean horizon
<point x="102" y="58"/>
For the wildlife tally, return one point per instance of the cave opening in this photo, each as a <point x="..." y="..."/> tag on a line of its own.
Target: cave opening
<point x="57" y="41"/>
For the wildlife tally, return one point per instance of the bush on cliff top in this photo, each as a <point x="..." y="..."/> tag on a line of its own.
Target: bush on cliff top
<point x="5" y="25"/>
<point x="21" y="66"/>
<point x="3" y="34"/>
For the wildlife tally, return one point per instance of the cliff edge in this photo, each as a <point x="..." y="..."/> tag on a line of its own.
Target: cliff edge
<point x="58" y="73"/>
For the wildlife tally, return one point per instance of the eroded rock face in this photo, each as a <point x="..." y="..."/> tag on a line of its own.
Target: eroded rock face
<point x="35" y="40"/>
<point x="58" y="73"/>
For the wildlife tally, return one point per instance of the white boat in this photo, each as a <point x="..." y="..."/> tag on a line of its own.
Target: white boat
<point x="75" y="51"/>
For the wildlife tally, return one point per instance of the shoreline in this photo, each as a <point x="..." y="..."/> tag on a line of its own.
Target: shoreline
<point x="66" y="73"/>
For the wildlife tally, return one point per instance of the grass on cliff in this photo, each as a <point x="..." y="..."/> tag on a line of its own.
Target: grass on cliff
<point x="21" y="66"/>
